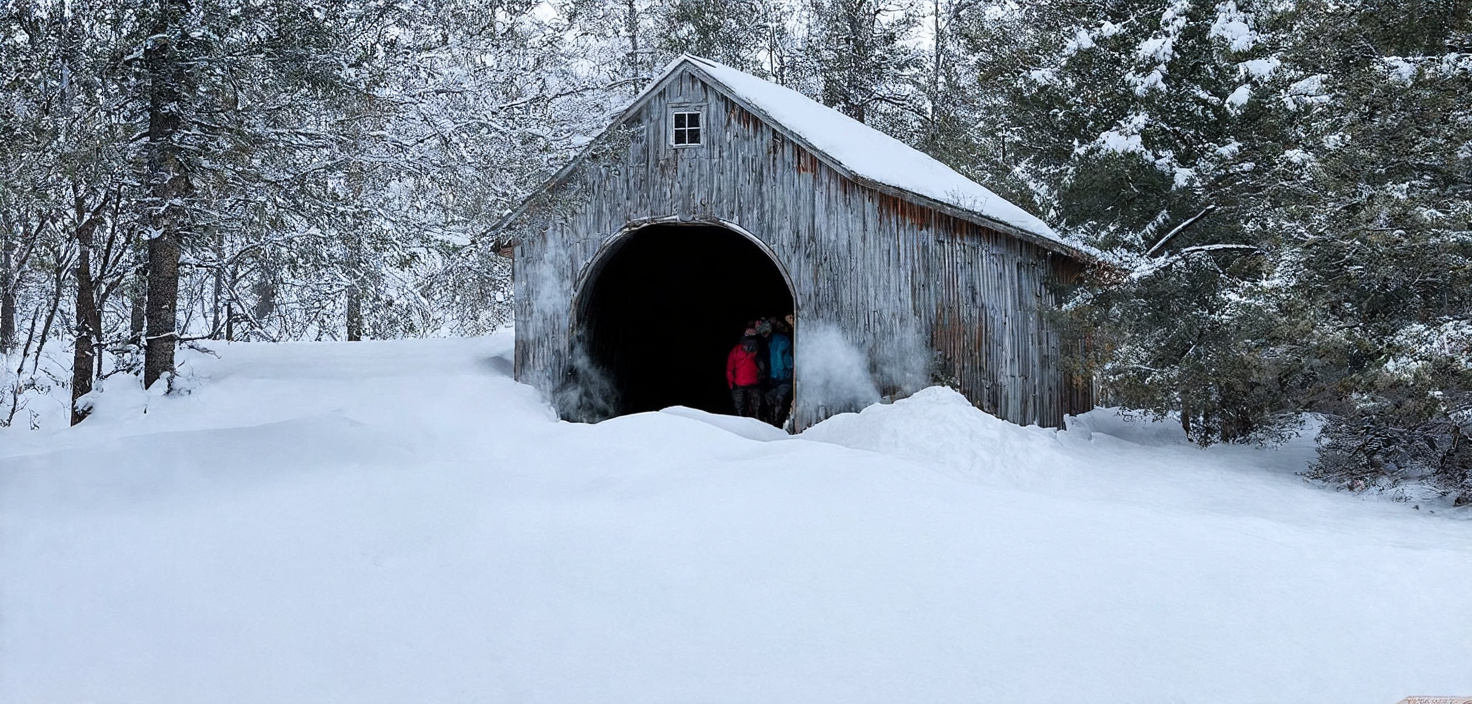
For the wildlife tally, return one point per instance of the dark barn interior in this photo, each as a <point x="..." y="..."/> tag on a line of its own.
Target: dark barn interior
<point x="664" y="308"/>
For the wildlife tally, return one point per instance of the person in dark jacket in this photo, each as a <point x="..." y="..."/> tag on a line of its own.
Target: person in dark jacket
<point x="744" y="375"/>
<point x="779" y="374"/>
<point x="763" y="330"/>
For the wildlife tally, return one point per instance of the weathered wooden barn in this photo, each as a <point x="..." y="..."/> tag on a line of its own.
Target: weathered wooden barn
<point x="717" y="197"/>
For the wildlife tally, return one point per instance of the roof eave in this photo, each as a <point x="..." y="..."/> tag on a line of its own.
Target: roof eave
<point x="976" y="218"/>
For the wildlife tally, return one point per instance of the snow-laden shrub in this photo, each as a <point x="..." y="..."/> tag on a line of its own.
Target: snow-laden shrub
<point x="1413" y="426"/>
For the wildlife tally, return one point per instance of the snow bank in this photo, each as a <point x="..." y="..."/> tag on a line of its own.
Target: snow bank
<point x="939" y="426"/>
<point x="1103" y="456"/>
<point x="749" y="428"/>
<point x="391" y="522"/>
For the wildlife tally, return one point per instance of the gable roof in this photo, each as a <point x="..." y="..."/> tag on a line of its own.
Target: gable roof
<point x="862" y="153"/>
<point x="868" y="155"/>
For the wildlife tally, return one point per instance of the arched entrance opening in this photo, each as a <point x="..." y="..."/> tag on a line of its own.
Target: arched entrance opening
<point x="664" y="305"/>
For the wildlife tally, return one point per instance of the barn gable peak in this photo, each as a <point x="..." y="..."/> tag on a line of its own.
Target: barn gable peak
<point x="855" y="150"/>
<point x="862" y="153"/>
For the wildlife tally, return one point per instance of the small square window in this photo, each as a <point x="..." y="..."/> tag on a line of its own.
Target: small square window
<point x="687" y="128"/>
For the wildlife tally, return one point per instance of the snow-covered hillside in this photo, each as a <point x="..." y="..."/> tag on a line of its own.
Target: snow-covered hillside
<point x="402" y="522"/>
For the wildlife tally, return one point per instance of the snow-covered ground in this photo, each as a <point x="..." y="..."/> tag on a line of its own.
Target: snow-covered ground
<point x="402" y="522"/>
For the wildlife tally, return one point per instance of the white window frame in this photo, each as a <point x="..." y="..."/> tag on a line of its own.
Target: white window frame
<point x="701" y="128"/>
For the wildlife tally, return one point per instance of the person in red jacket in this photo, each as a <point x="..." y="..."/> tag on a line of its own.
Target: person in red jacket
<point x="744" y="376"/>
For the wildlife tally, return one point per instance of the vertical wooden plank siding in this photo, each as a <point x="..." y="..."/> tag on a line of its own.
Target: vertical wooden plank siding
<point x="896" y="277"/>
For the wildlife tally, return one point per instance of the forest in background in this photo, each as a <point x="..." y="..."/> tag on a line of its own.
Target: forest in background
<point x="1281" y="191"/>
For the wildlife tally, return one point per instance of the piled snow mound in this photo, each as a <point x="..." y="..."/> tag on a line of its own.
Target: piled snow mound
<point x="749" y="428"/>
<point x="1104" y="455"/>
<point x="938" y="425"/>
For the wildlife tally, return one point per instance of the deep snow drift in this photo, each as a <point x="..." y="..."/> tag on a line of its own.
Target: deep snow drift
<point x="402" y="522"/>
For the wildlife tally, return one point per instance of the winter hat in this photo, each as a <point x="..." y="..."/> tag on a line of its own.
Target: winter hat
<point x="763" y="327"/>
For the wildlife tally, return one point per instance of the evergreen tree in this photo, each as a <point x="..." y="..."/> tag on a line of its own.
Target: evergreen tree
<point x="728" y="32"/>
<point x="862" y="59"/>
<point x="1280" y="197"/>
<point x="952" y="97"/>
<point x="1136" y="127"/>
<point x="1384" y="257"/>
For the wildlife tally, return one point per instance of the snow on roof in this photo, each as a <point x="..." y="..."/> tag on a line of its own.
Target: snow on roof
<point x="868" y="153"/>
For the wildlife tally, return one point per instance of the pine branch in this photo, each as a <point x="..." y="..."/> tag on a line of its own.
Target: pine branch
<point x="1181" y="228"/>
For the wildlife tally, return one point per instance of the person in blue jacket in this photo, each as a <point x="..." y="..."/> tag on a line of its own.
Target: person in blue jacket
<point x="779" y="371"/>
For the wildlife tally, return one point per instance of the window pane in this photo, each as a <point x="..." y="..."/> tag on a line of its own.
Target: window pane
<point x="694" y="120"/>
<point x="694" y="135"/>
<point x="679" y="120"/>
<point x="679" y="135"/>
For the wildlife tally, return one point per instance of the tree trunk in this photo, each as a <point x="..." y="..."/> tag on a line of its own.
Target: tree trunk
<point x="7" y="292"/>
<point x="216" y="320"/>
<point x="265" y="304"/>
<point x="938" y="43"/>
<point x="357" y="260"/>
<point x="168" y="184"/>
<point x="355" y="314"/>
<point x="163" y="297"/>
<point x="30" y="338"/>
<point x="138" y="299"/>
<point x="88" y="319"/>
<point x="57" y="279"/>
